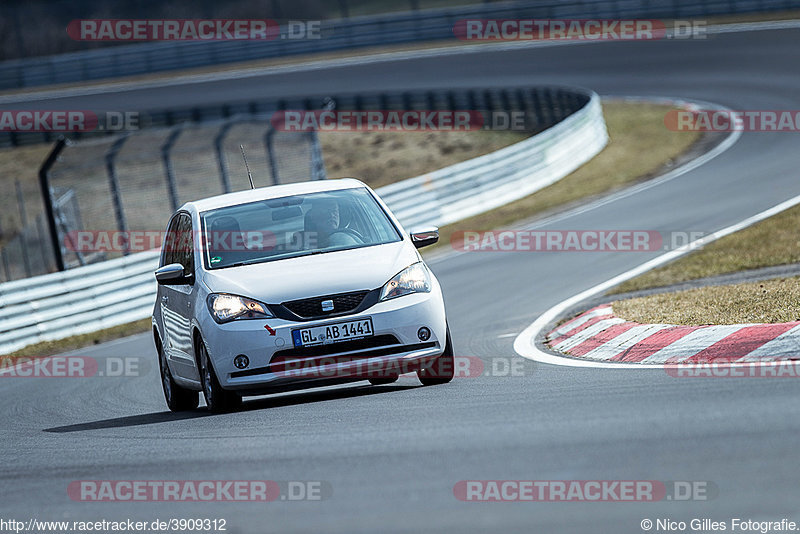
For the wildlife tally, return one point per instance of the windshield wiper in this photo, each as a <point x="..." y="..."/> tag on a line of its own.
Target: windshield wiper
<point x="263" y="260"/>
<point x="248" y="262"/>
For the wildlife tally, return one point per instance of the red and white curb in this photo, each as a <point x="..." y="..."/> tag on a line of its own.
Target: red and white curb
<point x="599" y="335"/>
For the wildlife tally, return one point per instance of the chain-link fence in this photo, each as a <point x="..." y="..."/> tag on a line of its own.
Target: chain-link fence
<point x="133" y="182"/>
<point x="27" y="253"/>
<point x="26" y="249"/>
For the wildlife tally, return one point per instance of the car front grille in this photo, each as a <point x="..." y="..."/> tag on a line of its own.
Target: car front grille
<point x="383" y="340"/>
<point x="302" y="357"/>
<point x="312" y="307"/>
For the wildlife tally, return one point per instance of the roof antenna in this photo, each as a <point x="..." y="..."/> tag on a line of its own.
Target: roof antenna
<point x="249" y="176"/>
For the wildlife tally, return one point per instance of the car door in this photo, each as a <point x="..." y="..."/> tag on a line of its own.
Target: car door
<point x="176" y="303"/>
<point x="168" y="257"/>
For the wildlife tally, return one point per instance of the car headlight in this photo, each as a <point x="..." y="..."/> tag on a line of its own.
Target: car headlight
<point x="412" y="279"/>
<point x="225" y="308"/>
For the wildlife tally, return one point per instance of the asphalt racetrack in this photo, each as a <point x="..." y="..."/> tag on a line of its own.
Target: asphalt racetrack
<point x="393" y="454"/>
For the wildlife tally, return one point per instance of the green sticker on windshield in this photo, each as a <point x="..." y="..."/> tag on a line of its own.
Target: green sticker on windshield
<point x="216" y="259"/>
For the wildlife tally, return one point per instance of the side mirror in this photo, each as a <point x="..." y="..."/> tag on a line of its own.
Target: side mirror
<point x="172" y="274"/>
<point x="425" y="236"/>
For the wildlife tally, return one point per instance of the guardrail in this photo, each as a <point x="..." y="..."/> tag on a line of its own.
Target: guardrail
<point x="355" y="32"/>
<point x="480" y="184"/>
<point x="90" y="298"/>
<point x="543" y="107"/>
<point x="78" y="301"/>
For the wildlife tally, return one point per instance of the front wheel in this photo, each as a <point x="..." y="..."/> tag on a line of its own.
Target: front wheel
<point x="178" y="399"/>
<point x="217" y="399"/>
<point x="442" y="369"/>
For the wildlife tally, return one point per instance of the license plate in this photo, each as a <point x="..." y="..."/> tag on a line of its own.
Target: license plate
<point x="332" y="333"/>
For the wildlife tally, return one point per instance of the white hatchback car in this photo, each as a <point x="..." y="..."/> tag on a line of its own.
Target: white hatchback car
<point x="294" y="286"/>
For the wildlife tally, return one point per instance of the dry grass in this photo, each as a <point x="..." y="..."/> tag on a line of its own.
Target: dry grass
<point x="639" y="147"/>
<point x="772" y="301"/>
<point x="19" y="164"/>
<point x="48" y="348"/>
<point x="381" y="158"/>
<point x="774" y="241"/>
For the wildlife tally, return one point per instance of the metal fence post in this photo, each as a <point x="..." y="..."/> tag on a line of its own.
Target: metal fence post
<point x="172" y="189"/>
<point x="317" y="163"/>
<point x="273" y="163"/>
<point x="219" y="140"/>
<point x="23" y="219"/>
<point x="5" y="264"/>
<point x="344" y="9"/>
<point x="3" y="259"/>
<point x="47" y="198"/>
<point x="116" y="199"/>
<point x="42" y="247"/>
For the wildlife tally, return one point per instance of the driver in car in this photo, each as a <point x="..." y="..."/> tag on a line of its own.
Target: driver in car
<point x="324" y="219"/>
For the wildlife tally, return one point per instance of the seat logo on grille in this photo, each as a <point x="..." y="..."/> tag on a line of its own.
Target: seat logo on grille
<point x="327" y="305"/>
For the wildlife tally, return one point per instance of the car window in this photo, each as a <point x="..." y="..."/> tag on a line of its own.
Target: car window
<point x="291" y="226"/>
<point x="168" y="255"/>
<point x="185" y="249"/>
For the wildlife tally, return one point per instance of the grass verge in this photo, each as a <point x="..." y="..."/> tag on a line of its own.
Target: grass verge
<point x="48" y="348"/>
<point x="382" y="158"/>
<point x="770" y="301"/>
<point x="773" y="241"/>
<point x="639" y="148"/>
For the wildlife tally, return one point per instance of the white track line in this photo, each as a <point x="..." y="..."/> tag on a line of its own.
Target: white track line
<point x="629" y="191"/>
<point x="525" y="343"/>
<point x="33" y="95"/>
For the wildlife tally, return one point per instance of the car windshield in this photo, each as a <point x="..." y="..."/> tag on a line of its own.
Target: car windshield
<point x="292" y="226"/>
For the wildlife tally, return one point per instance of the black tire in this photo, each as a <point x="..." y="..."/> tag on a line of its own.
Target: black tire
<point x="178" y="399"/>
<point x="442" y="369"/>
<point x="218" y="400"/>
<point x="382" y="380"/>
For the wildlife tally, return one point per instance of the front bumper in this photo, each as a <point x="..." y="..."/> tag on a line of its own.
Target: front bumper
<point x="338" y="362"/>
